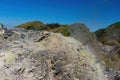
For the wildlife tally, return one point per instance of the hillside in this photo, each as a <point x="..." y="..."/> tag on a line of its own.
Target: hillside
<point x="110" y="39"/>
<point x="112" y="32"/>
<point x="52" y="27"/>
<point x="34" y="25"/>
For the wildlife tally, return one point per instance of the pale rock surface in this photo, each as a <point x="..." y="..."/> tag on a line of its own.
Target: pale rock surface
<point x="40" y="55"/>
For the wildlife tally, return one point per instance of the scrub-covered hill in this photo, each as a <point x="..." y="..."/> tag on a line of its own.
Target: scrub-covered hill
<point x="52" y="27"/>
<point x="34" y="25"/>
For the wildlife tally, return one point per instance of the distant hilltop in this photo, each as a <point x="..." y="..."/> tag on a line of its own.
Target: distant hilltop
<point x="37" y="25"/>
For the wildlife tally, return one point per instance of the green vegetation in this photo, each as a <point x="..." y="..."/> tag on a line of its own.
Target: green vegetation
<point x="35" y="25"/>
<point x="117" y="25"/>
<point x="99" y="32"/>
<point x="112" y="61"/>
<point x="53" y="27"/>
<point x="63" y="29"/>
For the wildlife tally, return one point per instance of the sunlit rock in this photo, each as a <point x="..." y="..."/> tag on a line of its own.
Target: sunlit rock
<point x="51" y="57"/>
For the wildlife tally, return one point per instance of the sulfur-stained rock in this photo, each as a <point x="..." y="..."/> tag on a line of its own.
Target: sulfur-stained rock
<point x="54" y="57"/>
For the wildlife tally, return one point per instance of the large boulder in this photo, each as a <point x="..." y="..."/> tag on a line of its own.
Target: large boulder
<point x="81" y="33"/>
<point x="51" y="57"/>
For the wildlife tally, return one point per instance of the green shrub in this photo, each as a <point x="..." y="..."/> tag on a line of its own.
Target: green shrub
<point x="35" y="28"/>
<point x="34" y="25"/>
<point x="52" y="25"/>
<point x="63" y="29"/>
<point x="99" y="32"/>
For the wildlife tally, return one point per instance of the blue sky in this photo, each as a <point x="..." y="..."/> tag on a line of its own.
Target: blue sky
<point x="94" y="13"/>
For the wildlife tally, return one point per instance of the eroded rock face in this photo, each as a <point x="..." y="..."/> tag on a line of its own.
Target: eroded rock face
<point x="40" y="55"/>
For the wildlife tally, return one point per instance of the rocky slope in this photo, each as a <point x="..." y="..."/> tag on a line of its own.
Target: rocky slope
<point x="40" y="55"/>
